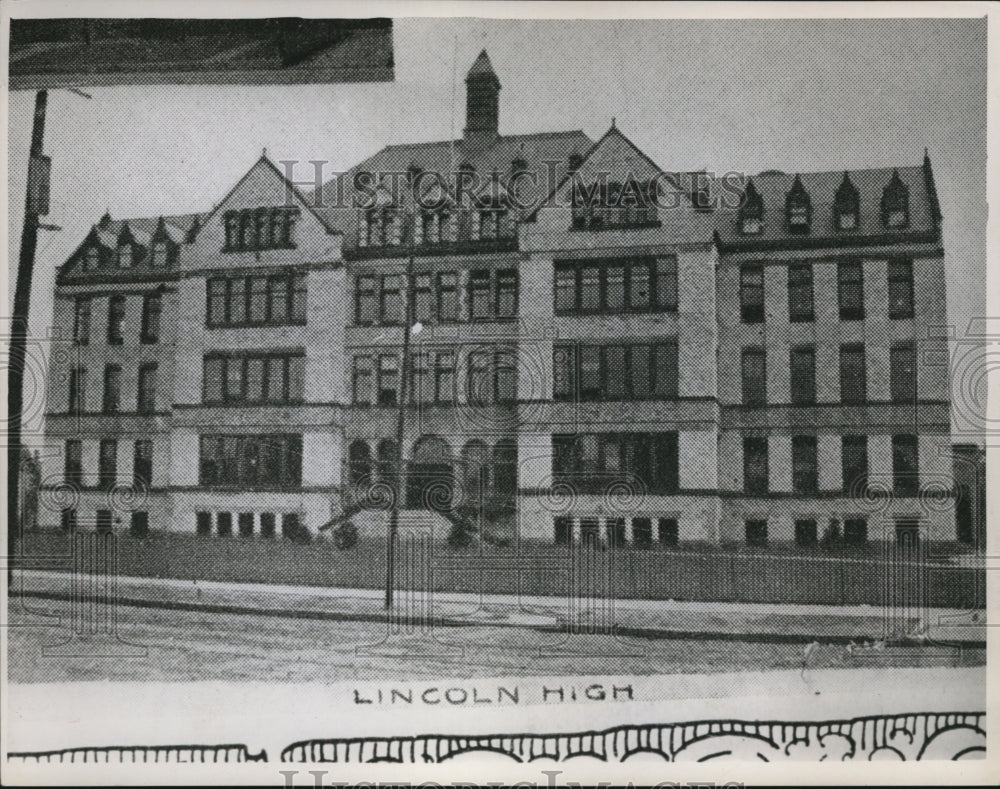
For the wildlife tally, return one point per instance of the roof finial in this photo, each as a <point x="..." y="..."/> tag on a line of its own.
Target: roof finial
<point x="613" y="121"/>
<point x="263" y="153"/>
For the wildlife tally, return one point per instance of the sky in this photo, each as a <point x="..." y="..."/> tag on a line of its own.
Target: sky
<point x="725" y="95"/>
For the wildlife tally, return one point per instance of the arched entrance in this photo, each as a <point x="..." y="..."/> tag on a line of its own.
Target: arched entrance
<point x="430" y="480"/>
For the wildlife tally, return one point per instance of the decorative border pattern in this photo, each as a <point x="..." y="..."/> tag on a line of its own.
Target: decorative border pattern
<point x="918" y="736"/>
<point x="139" y="754"/>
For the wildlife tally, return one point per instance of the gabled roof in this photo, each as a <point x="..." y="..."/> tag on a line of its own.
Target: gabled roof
<point x="446" y="156"/>
<point x="821" y="187"/>
<point x="482" y="67"/>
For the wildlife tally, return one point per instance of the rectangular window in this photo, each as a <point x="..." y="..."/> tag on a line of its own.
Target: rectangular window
<point x="362" y="380"/>
<point x="855" y="531"/>
<point x="667" y="370"/>
<point x="805" y="532"/>
<point x="423" y="380"/>
<point x="804" y="474"/>
<point x="666" y="283"/>
<point x="203" y="524"/>
<point x="900" y="289"/>
<point x="803" y="376"/>
<point x="278" y="299"/>
<point x="854" y="464"/>
<point x="276" y="380"/>
<point x="234" y="379"/>
<point x="267" y="522"/>
<point x="256" y="368"/>
<point x="212" y="379"/>
<point x="905" y="465"/>
<point x="566" y="291"/>
<point x="564" y="372"/>
<point x="642" y="532"/>
<point x="479" y="295"/>
<point x="116" y="318"/>
<point x="506" y="302"/>
<point x="257" y="312"/>
<point x="756" y="533"/>
<point x="615" y="378"/>
<point x="754" y="370"/>
<point x="479" y="384"/>
<point x="388" y="379"/>
<point x="614" y="287"/>
<point x="112" y="389"/>
<point x="755" y="473"/>
<point x="81" y="321"/>
<point x="245" y="523"/>
<point x="590" y="289"/>
<point x="850" y="291"/>
<point x="447" y="296"/>
<point x="299" y="297"/>
<point x="640" y="378"/>
<point x="77" y="390"/>
<point x="640" y="285"/>
<point x="853" y="375"/>
<point x="224" y="524"/>
<point x="752" y="294"/>
<point x="152" y="306"/>
<point x="74" y="462"/>
<point x="668" y="532"/>
<point x="107" y="467"/>
<point x="126" y="256"/>
<point x="365" y="301"/>
<point x="92" y="259"/>
<point x="590" y="372"/>
<point x="800" y="293"/>
<point x="268" y="460"/>
<point x="236" y="302"/>
<point x="444" y="377"/>
<point x="296" y="379"/>
<point x="903" y="373"/>
<point x="506" y="375"/>
<point x="666" y="463"/>
<point x="104" y="520"/>
<point x="423" y="298"/>
<point x="147" y="389"/>
<point x="142" y="467"/>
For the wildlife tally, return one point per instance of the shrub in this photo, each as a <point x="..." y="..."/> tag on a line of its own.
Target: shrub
<point x="831" y="534"/>
<point x="345" y="536"/>
<point x="461" y="534"/>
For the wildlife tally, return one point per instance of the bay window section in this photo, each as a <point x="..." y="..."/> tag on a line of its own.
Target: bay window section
<point x="270" y="460"/>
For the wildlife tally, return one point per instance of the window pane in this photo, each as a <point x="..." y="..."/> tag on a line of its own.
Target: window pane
<point x="854" y="456"/>
<point x="255" y="379"/>
<point x="445" y="386"/>
<point x="639" y="285"/>
<point x="803" y="376"/>
<point x="448" y="296"/>
<point x="366" y="306"/>
<point x="234" y="379"/>
<point x="752" y="294"/>
<point x="903" y="374"/>
<point x="852" y="374"/>
<point x="590" y="289"/>
<point x="147" y="388"/>
<point x="565" y="289"/>
<point x="112" y="389"/>
<point x="563" y="366"/>
<point x="666" y="283"/>
<point x="275" y="380"/>
<point x="388" y="374"/>
<point x="258" y="299"/>
<point x="906" y="481"/>
<point x="804" y="478"/>
<point x="800" y="293"/>
<point x="666" y="369"/>
<point x="422" y="298"/>
<point x="755" y="472"/>
<point x="850" y="291"/>
<point x="900" y="289"/>
<point x="279" y="299"/>
<point x="392" y="299"/>
<point x="362" y="379"/>
<point x="614" y="359"/>
<point x="615" y="292"/>
<point x="238" y="300"/>
<point x="299" y="294"/>
<point x="479" y="378"/>
<point x="590" y="372"/>
<point x="296" y="378"/>
<point x="506" y="373"/>
<point x="479" y="294"/>
<point x="506" y="294"/>
<point x="639" y="374"/>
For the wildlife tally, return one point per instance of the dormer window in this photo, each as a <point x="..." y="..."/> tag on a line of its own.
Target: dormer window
<point x="256" y="229"/>
<point x="751" y="215"/>
<point x="575" y="160"/>
<point x="845" y="205"/>
<point x="159" y="254"/>
<point x="91" y="258"/>
<point x="896" y="204"/>
<point x="125" y="255"/>
<point x="798" y="208"/>
<point x="381" y="227"/>
<point x="492" y="224"/>
<point x="519" y="165"/>
<point x="433" y="227"/>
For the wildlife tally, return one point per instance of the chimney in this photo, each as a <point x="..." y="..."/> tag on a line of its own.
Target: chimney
<point x="482" y="102"/>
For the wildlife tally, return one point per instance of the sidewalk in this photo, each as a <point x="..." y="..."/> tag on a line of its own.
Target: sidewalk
<point x="775" y="622"/>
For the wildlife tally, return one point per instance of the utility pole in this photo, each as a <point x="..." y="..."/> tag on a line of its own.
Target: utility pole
<point x="390" y="568"/>
<point x="36" y="204"/>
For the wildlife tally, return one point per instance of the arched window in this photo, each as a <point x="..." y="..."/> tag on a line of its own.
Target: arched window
<point x="798" y="208"/>
<point x="845" y="205"/>
<point x="388" y="458"/>
<point x="751" y="215"/>
<point x="895" y="203"/>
